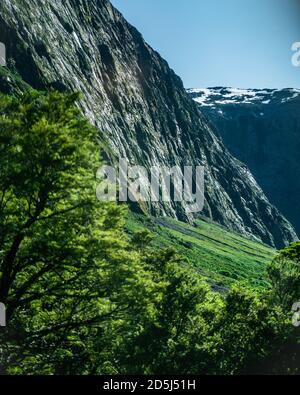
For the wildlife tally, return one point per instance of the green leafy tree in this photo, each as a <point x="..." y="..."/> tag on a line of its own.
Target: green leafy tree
<point x="283" y="355"/>
<point x="285" y="277"/>
<point x="182" y="337"/>
<point x="291" y="252"/>
<point x="68" y="271"/>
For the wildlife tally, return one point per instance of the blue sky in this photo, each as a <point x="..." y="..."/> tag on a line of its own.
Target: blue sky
<point x="237" y="43"/>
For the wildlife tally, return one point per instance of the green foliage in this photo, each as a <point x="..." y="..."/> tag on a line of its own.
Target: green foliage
<point x="84" y="297"/>
<point x="180" y="338"/>
<point x="252" y="326"/>
<point x="291" y="252"/>
<point x="284" y="272"/>
<point x="197" y="331"/>
<point x="285" y="276"/>
<point x="68" y="270"/>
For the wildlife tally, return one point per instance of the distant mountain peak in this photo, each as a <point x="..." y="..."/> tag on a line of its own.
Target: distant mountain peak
<point x="261" y="127"/>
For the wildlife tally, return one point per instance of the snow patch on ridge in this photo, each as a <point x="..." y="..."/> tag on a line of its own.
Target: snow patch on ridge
<point x="229" y="96"/>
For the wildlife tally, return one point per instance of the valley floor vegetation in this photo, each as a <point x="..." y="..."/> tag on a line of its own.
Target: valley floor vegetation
<point x="86" y="297"/>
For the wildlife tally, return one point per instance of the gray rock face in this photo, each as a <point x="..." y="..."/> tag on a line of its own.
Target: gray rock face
<point x="262" y="129"/>
<point x="137" y="102"/>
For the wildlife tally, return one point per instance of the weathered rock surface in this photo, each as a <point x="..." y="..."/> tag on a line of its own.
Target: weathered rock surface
<point x="136" y="101"/>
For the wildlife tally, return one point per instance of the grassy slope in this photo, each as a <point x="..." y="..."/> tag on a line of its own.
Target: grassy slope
<point x="221" y="256"/>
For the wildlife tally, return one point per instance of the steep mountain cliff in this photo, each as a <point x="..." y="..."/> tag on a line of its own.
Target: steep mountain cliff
<point x="262" y="129"/>
<point x="136" y="101"/>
